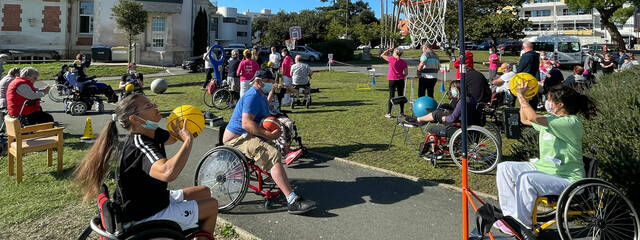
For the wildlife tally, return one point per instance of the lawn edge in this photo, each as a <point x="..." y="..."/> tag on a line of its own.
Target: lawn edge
<point x="405" y="176"/>
<point x="243" y="234"/>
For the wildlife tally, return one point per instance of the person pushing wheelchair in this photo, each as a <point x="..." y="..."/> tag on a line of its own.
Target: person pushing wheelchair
<point x="245" y="133"/>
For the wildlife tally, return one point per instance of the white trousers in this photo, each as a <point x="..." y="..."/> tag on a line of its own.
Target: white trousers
<point x="244" y="86"/>
<point x="519" y="184"/>
<point x="286" y="100"/>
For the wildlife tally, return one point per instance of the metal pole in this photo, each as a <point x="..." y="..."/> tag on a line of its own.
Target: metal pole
<point x="463" y="98"/>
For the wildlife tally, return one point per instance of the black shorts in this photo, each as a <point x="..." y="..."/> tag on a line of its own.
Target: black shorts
<point x="443" y="131"/>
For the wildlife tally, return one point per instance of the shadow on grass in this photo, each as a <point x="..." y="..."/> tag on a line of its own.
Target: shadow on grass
<point x="310" y="110"/>
<point x="343" y="151"/>
<point x="332" y="195"/>
<point x="171" y="93"/>
<point x="65" y="174"/>
<point x="342" y="103"/>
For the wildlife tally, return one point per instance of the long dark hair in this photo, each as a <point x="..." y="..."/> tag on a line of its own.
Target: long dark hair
<point x="574" y="102"/>
<point x="95" y="165"/>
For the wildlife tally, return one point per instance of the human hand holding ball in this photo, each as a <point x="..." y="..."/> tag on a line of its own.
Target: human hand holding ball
<point x="272" y="127"/>
<point x="180" y="132"/>
<point x="185" y="118"/>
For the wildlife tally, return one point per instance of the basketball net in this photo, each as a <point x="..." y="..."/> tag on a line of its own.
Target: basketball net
<point x="426" y="19"/>
<point x="290" y="43"/>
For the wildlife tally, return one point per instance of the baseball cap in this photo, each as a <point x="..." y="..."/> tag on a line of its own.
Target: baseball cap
<point x="262" y="74"/>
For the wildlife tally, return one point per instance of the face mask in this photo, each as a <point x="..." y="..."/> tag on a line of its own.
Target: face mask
<point x="148" y="124"/>
<point x="132" y="71"/>
<point x="267" y="87"/>
<point x="549" y="68"/>
<point x="549" y="107"/>
<point x="283" y="55"/>
<point x="454" y="93"/>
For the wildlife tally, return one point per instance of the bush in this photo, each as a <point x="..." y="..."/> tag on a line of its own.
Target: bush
<point x="612" y="137"/>
<point x="342" y="49"/>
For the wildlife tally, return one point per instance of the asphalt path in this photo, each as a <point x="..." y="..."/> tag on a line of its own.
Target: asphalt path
<point x="353" y="202"/>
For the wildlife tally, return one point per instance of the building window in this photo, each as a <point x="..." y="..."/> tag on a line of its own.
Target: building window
<point x="527" y="13"/>
<point x="242" y="22"/>
<point x="539" y="13"/>
<point x="158" y="32"/>
<point x="86" y="17"/>
<point x="568" y="47"/>
<point x="242" y="34"/>
<point x="228" y="20"/>
<point x="214" y="26"/>
<point x="580" y="11"/>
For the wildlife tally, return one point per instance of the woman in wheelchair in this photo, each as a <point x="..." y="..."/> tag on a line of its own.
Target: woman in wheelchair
<point x="144" y="171"/>
<point x="447" y="114"/>
<point x="560" y="148"/>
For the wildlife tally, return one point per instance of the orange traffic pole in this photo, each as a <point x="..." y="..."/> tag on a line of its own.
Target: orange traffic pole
<point x="465" y="200"/>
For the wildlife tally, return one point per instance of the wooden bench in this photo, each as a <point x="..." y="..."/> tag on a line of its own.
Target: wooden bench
<point x="32" y="138"/>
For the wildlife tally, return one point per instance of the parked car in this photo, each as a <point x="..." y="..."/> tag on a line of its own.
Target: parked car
<point x="363" y="46"/>
<point x="599" y="47"/>
<point x="484" y="46"/>
<point x="405" y="47"/>
<point x="511" y="46"/>
<point x="307" y="53"/>
<point x="470" y="45"/>
<point x="193" y="64"/>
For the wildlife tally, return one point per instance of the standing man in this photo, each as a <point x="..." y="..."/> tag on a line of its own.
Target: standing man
<point x="20" y="90"/>
<point x="427" y="71"/>
<point x="529" y="61"/>
<point x="208" y="68"/>
<point x="275" y="59"/>
<point x="233" y="78"/>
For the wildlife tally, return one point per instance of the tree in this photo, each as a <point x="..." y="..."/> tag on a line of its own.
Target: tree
<point x="606" y="8"/>
<point x="200" y="33"/>
<point x="131" y="18"/>
<point x="621" y="15"/>
<point x="501" y="25"/>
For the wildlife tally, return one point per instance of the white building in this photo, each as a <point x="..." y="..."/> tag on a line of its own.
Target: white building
<point x="553" y="17"/>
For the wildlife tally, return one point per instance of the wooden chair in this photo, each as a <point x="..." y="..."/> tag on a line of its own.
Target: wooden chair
<point x="32" y="138"/>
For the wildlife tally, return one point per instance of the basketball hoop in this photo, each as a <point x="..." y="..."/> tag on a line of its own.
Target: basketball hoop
<point x="425" y="20"/>
<point x="290" y="44"/>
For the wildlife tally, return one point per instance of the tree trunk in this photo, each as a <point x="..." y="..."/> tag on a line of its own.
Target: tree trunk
<point x="129" y="50"/>
<point x="616" y="37"/>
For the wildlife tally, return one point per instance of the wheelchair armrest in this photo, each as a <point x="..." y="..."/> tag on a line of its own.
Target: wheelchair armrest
<point x="95" y="225"/>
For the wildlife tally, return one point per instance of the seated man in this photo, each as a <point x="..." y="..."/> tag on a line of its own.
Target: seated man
<point x="20" y="90"/>
<point x="500" y="85"/>
<point x="132" y="77"/>
<point x="301" y="73"/>
<point x="447" y="117"/>
<point x="245" y="133"/>
<point x="560" y="153"/>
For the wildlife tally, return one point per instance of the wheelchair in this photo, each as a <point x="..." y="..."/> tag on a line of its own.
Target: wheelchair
<point x="82" y="97"/>
<point x="589" y="208"/>
<point x="227" y="172"/>
<point x="108" y="225"/>
<point x="222" y="98"/>
<point x="302" y="97"/>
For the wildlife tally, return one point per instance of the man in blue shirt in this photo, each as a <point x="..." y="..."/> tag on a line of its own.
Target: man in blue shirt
<point x="245" y="133"/>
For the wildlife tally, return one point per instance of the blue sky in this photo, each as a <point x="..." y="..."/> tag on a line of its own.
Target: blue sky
<point x="286" y="5"/>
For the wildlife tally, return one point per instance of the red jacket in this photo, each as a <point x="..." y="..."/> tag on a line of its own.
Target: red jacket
<point x="15" y="101"/>
<point x="468" y="59"/>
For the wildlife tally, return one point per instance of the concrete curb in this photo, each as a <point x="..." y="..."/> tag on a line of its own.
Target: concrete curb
<point x="405" y="176"/>
<point x="241" y="232"/>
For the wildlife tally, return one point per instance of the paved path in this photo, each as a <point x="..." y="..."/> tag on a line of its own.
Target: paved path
<point x="353" y="202"/>
<point x="168" y="71"/>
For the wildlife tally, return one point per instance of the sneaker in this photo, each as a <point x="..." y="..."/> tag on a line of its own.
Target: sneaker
<point x="301" y="206"/>
<point x="292" y="156"/>
<point x="388" y="115"/>
<point x="503" y="228"/>
<point x="202" y="88"/>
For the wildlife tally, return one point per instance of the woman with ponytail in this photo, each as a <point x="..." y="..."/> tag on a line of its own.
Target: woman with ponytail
<point x="145" y="170"/>
<point x="560" y="148"/>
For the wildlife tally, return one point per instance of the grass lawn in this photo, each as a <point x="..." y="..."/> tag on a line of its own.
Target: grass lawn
<point x="187" y="78"/>
<point x="479" y="56"/>
<point x="49" y="70"/>
<point x="350" y="124"/>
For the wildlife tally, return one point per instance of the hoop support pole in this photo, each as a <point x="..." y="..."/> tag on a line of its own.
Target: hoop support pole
<point x="463" y="96"/>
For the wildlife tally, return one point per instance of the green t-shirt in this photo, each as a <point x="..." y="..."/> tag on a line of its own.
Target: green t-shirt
<point x="560" y="146"/>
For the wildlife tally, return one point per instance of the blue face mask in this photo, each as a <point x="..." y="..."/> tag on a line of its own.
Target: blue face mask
<point x="267" y="87"/>
<point x="148" y="124"/>
<point x="454" y="93"/>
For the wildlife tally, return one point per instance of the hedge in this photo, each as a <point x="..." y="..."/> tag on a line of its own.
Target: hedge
<point x="342" y="49"/>
<point x="613" y="136"/>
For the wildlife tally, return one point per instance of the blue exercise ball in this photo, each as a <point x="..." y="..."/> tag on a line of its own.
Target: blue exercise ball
<point x="424" y="105"/>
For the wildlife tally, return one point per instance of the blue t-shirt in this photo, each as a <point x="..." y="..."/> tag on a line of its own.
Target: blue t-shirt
<point x="252" y="102"/>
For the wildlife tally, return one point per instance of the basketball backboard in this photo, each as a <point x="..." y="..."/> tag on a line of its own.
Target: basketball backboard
<point x="295" y="32"/>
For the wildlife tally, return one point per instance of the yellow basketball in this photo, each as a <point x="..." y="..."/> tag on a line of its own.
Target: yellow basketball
<point x="532" y="84"/>
<point x="129" y="87"/>
<point x="499" y="69"/>
<point x="270" y="64"/>
<point x="193" y="115"/>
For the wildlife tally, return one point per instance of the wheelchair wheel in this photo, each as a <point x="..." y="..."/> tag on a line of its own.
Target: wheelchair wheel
<point x="483" y="149"/>
<point x="207" y="99"/>
<point x="224" y="170"/>
<point x="77" y="108"/>
<point x="58" y="93"/>
<point x="495" y="130"/>
<point x="594" y="209"/>
<point x="222" y="99"/>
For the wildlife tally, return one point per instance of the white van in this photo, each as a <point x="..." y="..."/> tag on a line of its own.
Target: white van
<point x="566" y="47"/>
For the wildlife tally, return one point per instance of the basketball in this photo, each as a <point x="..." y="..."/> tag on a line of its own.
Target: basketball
<point x="271" y="123"/>
<point x="129" y="87"/>
<point x="193" y="115"/>
<point x="532" y="84"/>
<point x="424" y="105"/>
<point x="270" y="64"/>
<point x="159" y="86"/>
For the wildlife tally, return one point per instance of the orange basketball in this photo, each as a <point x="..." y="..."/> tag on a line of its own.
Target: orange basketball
<point x="271" y="123"/>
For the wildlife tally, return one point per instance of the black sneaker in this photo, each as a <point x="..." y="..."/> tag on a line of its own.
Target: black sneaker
<point x="301" y="206"/>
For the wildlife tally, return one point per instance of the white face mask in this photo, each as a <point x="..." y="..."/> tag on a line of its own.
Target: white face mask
<point x="548" y="106"/>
